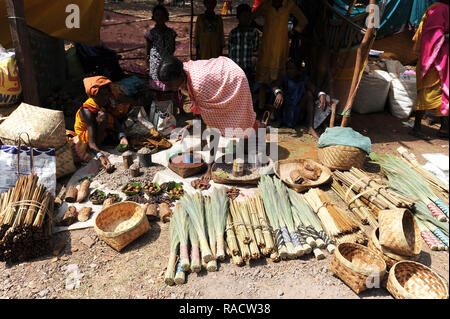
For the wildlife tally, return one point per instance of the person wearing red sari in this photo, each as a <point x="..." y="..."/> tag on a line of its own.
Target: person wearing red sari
<point x="431" y="42"/>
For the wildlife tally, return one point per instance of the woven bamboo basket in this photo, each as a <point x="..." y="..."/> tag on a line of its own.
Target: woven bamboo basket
<point x="341" y="157"/>
<point x="412" y="280"/>
<point x="357" y="266"/>
<point x="399" y="232"/>
<point x="121" y="223"/>
<point x="283" y="169"/>
<point x="389" y="257"/>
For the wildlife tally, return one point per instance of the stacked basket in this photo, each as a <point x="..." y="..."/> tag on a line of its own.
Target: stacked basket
<point x="341" y="157"/>
<point x="397" y="238"/>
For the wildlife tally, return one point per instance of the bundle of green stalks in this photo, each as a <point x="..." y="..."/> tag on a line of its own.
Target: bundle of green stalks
<point x="169" y="277"/>
<point x="212" y="264"/>
<point x="181" y="223"/>
<point x="219" y="210"/>
<point x="438" y="186"/>
<point x="193" y="204"/>
<point x="407" y="181"/>
<point x="268" y="196"/>
<point x="285" y="212"/>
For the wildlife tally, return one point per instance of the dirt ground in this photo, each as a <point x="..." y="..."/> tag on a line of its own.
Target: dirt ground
<point x="137" y="272"/>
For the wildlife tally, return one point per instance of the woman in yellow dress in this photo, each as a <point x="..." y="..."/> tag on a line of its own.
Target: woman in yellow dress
<point x="209" y="36"/>
<point x="274" y="50"/>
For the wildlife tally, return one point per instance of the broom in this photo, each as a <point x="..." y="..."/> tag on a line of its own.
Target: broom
<point x="169" y="277"/>
<point x="212" y="264"/>
<point x="286" y="216"/>
<point x="181" y="227"/>
<point x="219" y="209"/>
<point x="270" y="210"/>
<point x="196" y="265"/>
<point x="193" y="204"/>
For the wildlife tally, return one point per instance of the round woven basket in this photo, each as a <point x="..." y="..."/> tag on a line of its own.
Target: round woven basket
<point x="358" y="266"/>
<point x="389" y="257"/>
<point x="341" y="157"/>
<point x="399" y="232"/>
<point x="121" y="223"/>
<point x="412" y="280"/>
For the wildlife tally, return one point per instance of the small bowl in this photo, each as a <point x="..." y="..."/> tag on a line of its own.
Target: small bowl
<point x="122" y="148"/>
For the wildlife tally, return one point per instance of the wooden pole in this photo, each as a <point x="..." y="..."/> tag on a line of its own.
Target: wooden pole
<point x="21" y="41"/>
<point x="191" y="29"/>
<point x="361" y="56"/>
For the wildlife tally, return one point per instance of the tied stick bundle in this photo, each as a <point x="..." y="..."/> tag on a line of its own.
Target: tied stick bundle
<point x="356" y="205"/>
<point x="269" y="246"/>
<point x="253" y="245"/>
<point x="438" y="233"/>
<point x="26" y="213"/>
<point x="193" y="204"/>
<point x="181" y="226"/>
<point x="169" y="277"/>
<point x="256" y="224"/>
<point x="286" y="216"/>
<point x="219" y="210"/>
<point x="367" y="187"/>
<point x="339" y="226"/>
<point x="243" y="238"/>
<point x="410" y="183"/>
<point x="267" y="193"/>
<point x="232" y="245"/>
<point x="212" y="264"/>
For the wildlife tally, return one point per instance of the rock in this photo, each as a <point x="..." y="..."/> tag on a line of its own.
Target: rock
<point x="74" y="249"/>
<point x="44" y="292"/>
<point x="87" y="241"/>
<point x="280" y="293"/>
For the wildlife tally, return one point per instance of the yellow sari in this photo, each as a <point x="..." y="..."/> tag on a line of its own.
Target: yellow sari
<point x="274" y="50"/>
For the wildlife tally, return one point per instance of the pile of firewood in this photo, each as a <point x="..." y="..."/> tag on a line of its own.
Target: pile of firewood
<point x="26" y="212"/>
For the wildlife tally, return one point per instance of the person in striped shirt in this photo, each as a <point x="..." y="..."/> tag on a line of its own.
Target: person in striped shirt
<point x="243" y="42"/>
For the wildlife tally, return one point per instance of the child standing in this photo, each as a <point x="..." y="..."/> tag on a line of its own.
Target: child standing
<point x="160" y="44"/>
<point x="243" y="42"/>
<point x="274" y="48"/>
<point x="209" y="36"/>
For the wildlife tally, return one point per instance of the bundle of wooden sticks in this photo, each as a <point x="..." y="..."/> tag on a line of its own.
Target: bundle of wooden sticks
<point x="26" y="212"/>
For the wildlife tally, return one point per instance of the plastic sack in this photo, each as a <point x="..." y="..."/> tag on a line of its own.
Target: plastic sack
<point x="403" y="90"/>
<point x="372" y="93"/>
<point x="161" y="115"/>
<point x="44" y="166"/>
<point x="10" y="87"/>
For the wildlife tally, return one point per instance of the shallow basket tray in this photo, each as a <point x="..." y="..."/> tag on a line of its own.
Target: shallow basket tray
<point x="355" y="263"/>
<point x="188" y="171"/>
<point x="236" y="181"/>
<point x="115" y="213"/>
<point x="341" y="157"/>
<point x="283" y="168"/>
<point x="389" y="257"/>
<point x="412" y="280"/>
<point x="399" y="232"/>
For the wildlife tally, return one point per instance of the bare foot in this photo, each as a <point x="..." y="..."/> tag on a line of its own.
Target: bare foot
<point x="312" y="131"/>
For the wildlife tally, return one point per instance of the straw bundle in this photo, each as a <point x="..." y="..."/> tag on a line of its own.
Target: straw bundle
<point x="430" y="239"/>
<point x="253" y="245"/>
<point x="267" y="193"/>
<point x="409" y="182"/>
<point x="286" y="215"/>
<point x="169" y="277"/>
<point x="219" y="209"/>
<point x="243" y="238"/>
<point x="212" y="264"/>
<point x="180" y="275"/>
<point x="340" y="226"/>
<point x="196" y="265"/>
<point x="181" y="226"/>
<point x="193" y="204"/>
